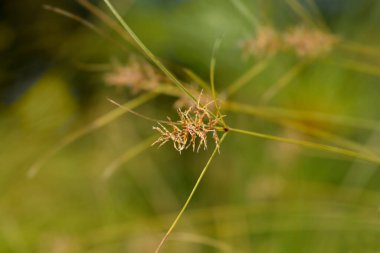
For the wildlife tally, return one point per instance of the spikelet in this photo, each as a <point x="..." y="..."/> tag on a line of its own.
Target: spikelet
<point x="267" y="42"/>
<point x="194" y="126"/>
<point x="137" y="75"/>
<point x="307" y="42"/>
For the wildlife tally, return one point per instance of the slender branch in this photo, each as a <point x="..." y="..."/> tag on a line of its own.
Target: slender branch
<point x="99" y="122"/>
<point x="246" y="77"/>
<point x="85" y="23"/>
<point x="311" y="145"/>
<point x="362" y="67"/>
<point x="363" y="49"/>
<point x="298" y="124"/>
<point x="127" y="155"/>
<point x="148" y="53"/>
<point x="320" y="20"/>
<point x="301" y="11"/>
<point x="107" y="20"/>
<point x="175" y="222"/>
<point x="197" y="79"/>
<point x="282" y="82"/>
<point x="239" y="5"/>
<point x="212" y="79"/>
<point x="283" y="113"/>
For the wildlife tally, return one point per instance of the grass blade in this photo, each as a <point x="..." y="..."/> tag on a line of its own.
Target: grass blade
<point x="275" y="112"/>
<point x="246" y="78"/>
<point x="99" y="122"/>
<point x="147" y="52"/>
<point x="239" y="5"/>
<point x="127" y="155"/>
<point x="311" y="145"/>
<point x="282" y="82"/>
<point x="85" y="23"/>
<point x="197" y="79"/>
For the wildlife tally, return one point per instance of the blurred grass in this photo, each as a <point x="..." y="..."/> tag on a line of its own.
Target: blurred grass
<point x="258" y="196"/>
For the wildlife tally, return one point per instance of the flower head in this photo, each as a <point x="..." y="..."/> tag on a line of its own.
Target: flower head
<point x="308" y="42"/>
<point x="266" y="43"/>
<point x="137" y="75"/>
<point x="192" y="129"/>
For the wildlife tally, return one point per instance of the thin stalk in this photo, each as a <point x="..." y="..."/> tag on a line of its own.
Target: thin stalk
<point x="361" y="67"/>
<point x="239" y="5"/>
<point x="99" y="122"/>
<point x="311" y="145"/>
<point x="355" y="47"/>
<point x="275" y="112"/>
<point x="203" y="240"/>
<point x="321" y="21"/>
<point x="86" y="24"/>
<point x="328" y="136"/>
<point x="299" y="126"/>
<point x="176" y="220"/>
<point x="301" y="11"/>
<point x="246" y="77"/>
<point x="127" y="155"/>
<point x="197" y="79"/>
<point x="212" y="79"/>
<point x="212" y="68"/>
<point x="147" y="52"/>
<point x="282" y="82"/>
<point x="106" y="19"/>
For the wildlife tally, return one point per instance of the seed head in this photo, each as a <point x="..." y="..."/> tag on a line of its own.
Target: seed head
<point x="192" y="129"/>
<point x="308" y="42"/>
<point x="137" y="75"/>
<point x="267" y="42"/>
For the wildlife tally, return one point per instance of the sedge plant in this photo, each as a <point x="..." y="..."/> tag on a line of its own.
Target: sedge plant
<point x="203" y="120"/>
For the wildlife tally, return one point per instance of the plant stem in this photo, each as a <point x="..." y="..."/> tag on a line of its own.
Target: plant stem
<point x="148" y="53"/>
<point x="127" y="155"/>
<point x="175" y="222"/>
<point x="282" y="82"/>
<point x="99" y="122"/>
<point x="311" y="145"/>
<point x="239" y="5"/>
<point x="283" y="113"/>
<point x="246" y="77"/>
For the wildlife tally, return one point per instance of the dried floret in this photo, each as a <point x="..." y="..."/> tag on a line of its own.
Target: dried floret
<point x="192" y="129"/>
<point x="267" y="42"/>
<point x="308" y="42"/>
<point x="137" y="75"/>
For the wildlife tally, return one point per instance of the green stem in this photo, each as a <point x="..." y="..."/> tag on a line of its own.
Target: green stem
<point x="99" y="122"/>
<point x="197" y="79"/>
<point x="148" y="53"/>
<point x="311" y="145"/>
<point x="282" y="113"/>
<point x="175" y="222"/>
<point x="239" y="5"/>
<point x="128" y="155"/>
<point x="246" y="78"/>
<point x="283" y="82"/>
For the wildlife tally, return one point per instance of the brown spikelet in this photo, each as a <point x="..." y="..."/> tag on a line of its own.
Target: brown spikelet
<point x="137" y="75"/>
<point x="307" y="42"/>
<point x="267" y="42"/>
<point x="192" y="129"/>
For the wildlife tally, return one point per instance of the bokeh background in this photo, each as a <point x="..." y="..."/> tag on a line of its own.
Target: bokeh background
<point x="258" y="196"/>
